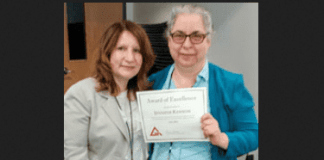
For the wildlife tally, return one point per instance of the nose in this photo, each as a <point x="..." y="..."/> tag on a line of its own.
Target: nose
<point x="129" y="55"/>
<point x="187" y="43"/>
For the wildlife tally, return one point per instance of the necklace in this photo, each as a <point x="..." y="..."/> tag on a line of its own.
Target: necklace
<point x="130" y="133"/>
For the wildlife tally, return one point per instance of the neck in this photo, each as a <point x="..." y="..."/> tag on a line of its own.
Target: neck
<point x="185" y="77"/>
<point x="121" y="84"/>
<point x="188" y="72"/>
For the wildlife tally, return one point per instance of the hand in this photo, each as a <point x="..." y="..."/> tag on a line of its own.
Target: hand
<point x="210" y="128"/>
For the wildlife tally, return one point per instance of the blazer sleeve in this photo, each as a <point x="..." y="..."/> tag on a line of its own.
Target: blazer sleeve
<point x="76" y="124"/>
<point x="243" y="137"/>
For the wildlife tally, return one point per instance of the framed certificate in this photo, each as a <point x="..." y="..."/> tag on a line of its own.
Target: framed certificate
<point x="173" y="114"/>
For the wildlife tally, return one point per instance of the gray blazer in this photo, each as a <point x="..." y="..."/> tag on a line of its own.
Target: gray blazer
<point x="93" y="125"/>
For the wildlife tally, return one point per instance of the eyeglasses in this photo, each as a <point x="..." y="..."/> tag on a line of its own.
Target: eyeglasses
<point x="195" y="38"/>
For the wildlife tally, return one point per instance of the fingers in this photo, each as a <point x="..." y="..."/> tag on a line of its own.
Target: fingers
<point x="206" y="131"/>
<point x="209" y="131"/>
<point x="208" y="119"/>
<point x="205" y="116"/>
<point x="210" y="128"/>
<point x="209" y="125"/>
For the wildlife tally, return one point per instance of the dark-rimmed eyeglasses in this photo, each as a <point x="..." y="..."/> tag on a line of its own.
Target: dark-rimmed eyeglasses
<point x="195" y="38"/>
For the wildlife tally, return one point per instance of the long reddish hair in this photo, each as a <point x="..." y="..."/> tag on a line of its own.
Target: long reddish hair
<point x="104" y="73"/>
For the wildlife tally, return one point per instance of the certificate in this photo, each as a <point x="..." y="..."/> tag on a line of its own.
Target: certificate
<point x="173" y="114"/>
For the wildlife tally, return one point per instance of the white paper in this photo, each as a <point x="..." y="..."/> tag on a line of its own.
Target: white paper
<point x="173" y="114"/>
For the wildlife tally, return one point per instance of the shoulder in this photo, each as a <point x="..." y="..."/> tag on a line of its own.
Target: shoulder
<point x="230" y="85"/>
<point x="158" y="75"/>
<point x="83" y="86"/>
<point x="223" y="78"/>
<point x="223" y="74"/>
<point x="83" y="94"/>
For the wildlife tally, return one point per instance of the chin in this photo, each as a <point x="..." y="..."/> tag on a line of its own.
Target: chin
<point x="187" y="63"/>
<point x="129" y="75"/>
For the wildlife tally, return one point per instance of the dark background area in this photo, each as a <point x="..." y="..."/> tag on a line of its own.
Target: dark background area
<point x="290" y="80"/>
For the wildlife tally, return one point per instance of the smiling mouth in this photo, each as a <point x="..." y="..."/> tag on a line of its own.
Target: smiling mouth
<point x="187" y="54"/>
<point x="129" y="67"/>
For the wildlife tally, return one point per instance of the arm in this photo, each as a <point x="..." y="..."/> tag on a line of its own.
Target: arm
<point x="76" y="123"/>
<point x="244" y="135"/>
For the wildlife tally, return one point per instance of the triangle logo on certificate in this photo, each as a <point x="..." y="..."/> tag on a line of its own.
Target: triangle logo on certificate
<point x="155" y="132"/>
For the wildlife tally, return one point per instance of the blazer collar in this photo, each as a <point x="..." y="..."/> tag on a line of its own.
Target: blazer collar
<point x="111" y="109"/>
<point x="104" y="94"/>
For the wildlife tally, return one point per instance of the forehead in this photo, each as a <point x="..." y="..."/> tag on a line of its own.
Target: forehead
<point x="188" y="23"/>
<point x="127" y="37"/>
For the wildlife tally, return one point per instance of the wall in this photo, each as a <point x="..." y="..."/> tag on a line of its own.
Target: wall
<point x="97" y="17"/>
<point x="234" y="45"/>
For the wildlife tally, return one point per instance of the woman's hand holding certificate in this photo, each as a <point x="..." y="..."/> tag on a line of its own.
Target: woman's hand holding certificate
<point x="173" y="115"/>
<point x="211" y="129"/>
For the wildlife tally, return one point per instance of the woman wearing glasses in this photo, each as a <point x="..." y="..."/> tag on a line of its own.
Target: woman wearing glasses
<point x="101" y="117"/>
<point x="231" y="124"/>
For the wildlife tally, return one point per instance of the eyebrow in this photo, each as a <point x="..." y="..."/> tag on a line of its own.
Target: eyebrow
<point x="125" y="45"/>
<point x="194" y="32"/>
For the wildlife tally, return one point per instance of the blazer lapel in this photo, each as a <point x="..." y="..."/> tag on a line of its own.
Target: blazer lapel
<point x="110" y="107"/>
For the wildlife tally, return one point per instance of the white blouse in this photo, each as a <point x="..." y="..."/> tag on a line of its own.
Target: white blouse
<point x="140" y="150"/>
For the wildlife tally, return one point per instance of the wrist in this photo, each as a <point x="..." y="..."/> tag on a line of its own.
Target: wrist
<point x="221" y="140"/>
<point x="224" y="141"/>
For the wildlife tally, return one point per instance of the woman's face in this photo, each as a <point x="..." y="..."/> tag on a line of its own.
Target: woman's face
<point x="126" y="59"/>
<point x="188" y="54"/>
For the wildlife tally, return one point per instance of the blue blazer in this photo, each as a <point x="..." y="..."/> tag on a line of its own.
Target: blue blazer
<point x="231" y="105"/>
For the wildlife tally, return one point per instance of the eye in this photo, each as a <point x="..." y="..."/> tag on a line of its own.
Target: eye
<point x="136" y="50"/>
<point x="196" y="35"/>
<point x="121" y="48"/>
<point x="178" y="35"/>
